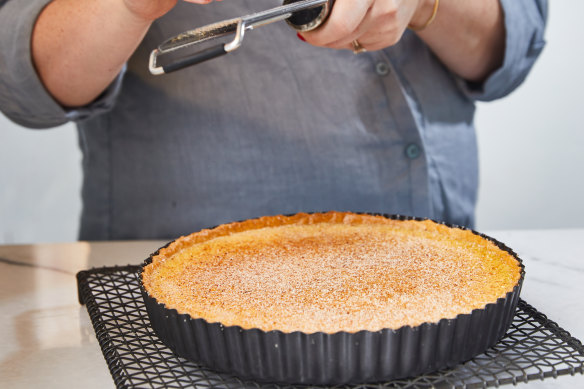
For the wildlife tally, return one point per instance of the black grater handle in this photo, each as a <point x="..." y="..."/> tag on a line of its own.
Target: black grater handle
<point x="195" y="58"/>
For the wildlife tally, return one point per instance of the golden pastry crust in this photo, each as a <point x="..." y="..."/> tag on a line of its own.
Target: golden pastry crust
<point x="330" y="272"/>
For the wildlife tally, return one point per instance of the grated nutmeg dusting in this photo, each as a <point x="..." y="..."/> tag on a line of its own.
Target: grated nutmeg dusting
<point x="330" y="272"/>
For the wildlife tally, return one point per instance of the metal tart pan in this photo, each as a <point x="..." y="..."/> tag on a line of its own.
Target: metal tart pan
<point x="338" y="358"/>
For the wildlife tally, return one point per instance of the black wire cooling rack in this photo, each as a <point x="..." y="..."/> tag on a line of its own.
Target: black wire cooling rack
<point x="534" y="348"/>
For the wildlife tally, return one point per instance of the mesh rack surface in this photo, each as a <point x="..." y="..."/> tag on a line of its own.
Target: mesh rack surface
<point x="534" y="348"/>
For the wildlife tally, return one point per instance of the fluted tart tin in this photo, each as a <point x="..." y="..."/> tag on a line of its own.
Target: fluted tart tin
<point x="335" y="358"/>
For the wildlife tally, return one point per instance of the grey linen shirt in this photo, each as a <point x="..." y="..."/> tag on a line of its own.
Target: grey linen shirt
<point x="278" y="126"/>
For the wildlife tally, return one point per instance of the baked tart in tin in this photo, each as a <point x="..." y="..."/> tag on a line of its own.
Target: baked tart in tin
<point x="331" y="298"/>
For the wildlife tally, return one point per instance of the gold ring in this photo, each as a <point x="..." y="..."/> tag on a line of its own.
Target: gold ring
<point x="357" y="47"/>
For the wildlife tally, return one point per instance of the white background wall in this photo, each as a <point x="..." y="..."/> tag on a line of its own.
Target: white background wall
<point x="532" y="143"/>
<point x="531" y="151"/>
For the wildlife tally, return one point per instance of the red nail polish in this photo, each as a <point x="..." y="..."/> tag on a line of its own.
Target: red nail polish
<point x="300" y="37"/>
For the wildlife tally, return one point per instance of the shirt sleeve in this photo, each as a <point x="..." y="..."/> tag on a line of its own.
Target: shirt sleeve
<point x="525" y="22"/>
<point x="23" y="97"/>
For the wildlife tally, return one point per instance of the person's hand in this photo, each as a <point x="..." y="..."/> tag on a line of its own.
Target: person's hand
<point x="153" y="9"/>
<point x="375" y="24"/>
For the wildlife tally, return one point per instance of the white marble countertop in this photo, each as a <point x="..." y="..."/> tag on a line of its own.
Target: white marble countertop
<point x="48" y="340"/>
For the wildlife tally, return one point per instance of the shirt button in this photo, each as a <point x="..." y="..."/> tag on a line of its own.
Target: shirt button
<point x="413" y="151"/>
<point x="382" y="69"/>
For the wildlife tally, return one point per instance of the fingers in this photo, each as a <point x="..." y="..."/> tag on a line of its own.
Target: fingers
<point x="368" y="44"/>
<point x="343" y="22"/>
<point x="376" y="24"/>
<point x="367" y="31"/>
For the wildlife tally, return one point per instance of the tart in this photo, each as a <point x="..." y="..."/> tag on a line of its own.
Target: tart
<point x="331" y="298"/>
